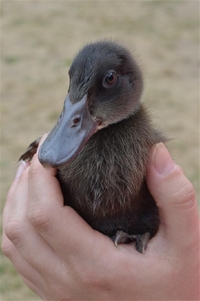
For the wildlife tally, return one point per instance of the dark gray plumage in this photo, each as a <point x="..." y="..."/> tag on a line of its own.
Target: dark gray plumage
<point x="101" y="144"/>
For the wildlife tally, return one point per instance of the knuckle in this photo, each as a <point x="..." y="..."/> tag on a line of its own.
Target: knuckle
<point x="14" y="230"/>
<point x="189" y="193"/>
<point x="186" y="195"/>
<point x="40" y="218"/>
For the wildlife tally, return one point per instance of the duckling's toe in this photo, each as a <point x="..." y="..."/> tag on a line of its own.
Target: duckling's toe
<point x="141" y="240"/>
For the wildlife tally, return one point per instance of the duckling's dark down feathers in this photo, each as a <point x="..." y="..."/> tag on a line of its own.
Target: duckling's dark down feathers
<point x="104" y="180"/>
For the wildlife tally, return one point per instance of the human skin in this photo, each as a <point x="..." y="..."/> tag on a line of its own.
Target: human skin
<point x="60" y="257"/>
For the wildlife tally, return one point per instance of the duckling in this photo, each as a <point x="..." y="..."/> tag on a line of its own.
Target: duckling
<point x="101" y="143"/>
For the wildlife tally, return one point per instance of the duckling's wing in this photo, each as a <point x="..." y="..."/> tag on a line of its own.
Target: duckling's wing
<point x="32" y="149"/>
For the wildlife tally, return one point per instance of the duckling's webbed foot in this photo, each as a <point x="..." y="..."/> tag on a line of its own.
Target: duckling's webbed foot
<point x="141" y="240"/>
<point x="32" y="149"/>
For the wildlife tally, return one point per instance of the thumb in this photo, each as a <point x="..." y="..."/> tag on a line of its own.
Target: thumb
<point x="174" y="196"/>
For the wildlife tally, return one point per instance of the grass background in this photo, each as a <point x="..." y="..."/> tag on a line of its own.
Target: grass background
<point x="38" y="42"/>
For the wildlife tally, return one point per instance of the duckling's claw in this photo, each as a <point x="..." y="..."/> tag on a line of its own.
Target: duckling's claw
<point x="142" y="240"/>
<point x="122" y="237"/>
<point x="32" y="149"/>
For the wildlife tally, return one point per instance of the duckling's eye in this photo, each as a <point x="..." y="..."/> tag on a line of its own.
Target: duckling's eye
<point x="110" y="79"/>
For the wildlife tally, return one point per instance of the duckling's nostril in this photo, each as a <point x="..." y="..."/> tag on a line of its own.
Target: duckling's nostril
<point x="99" y="122"/>
<point x="75" y="121"/>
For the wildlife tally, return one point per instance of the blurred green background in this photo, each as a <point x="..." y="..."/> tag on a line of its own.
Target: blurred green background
<point x="39" y="40"/>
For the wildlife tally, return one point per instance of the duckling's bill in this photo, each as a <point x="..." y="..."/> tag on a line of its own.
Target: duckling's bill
<point x="73" y="129"/>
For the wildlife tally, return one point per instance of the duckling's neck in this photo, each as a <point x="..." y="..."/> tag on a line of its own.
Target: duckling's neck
<point x="137" y="125"/>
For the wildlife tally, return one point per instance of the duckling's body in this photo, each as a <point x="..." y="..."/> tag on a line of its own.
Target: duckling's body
<point x="101" y="145"/>
<point x="106" y="185"/>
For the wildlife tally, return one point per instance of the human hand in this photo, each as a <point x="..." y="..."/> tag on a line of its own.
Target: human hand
<point x="61" y="257"/>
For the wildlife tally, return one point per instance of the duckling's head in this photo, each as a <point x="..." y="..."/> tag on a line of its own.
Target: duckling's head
<point x="105" y="88"/>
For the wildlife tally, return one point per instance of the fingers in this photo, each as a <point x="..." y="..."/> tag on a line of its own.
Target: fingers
<point x="34" y="288"/>
<point x="21" y="265"/>
<point x="19" y="230"/>
<point x="21" y="168"/>
<point x="174" y="196"/>
<point x="60" y="225"/>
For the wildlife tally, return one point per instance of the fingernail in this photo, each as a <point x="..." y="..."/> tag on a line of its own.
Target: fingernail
<point x="162" y="160"/>
<point x="22" y="166"/>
